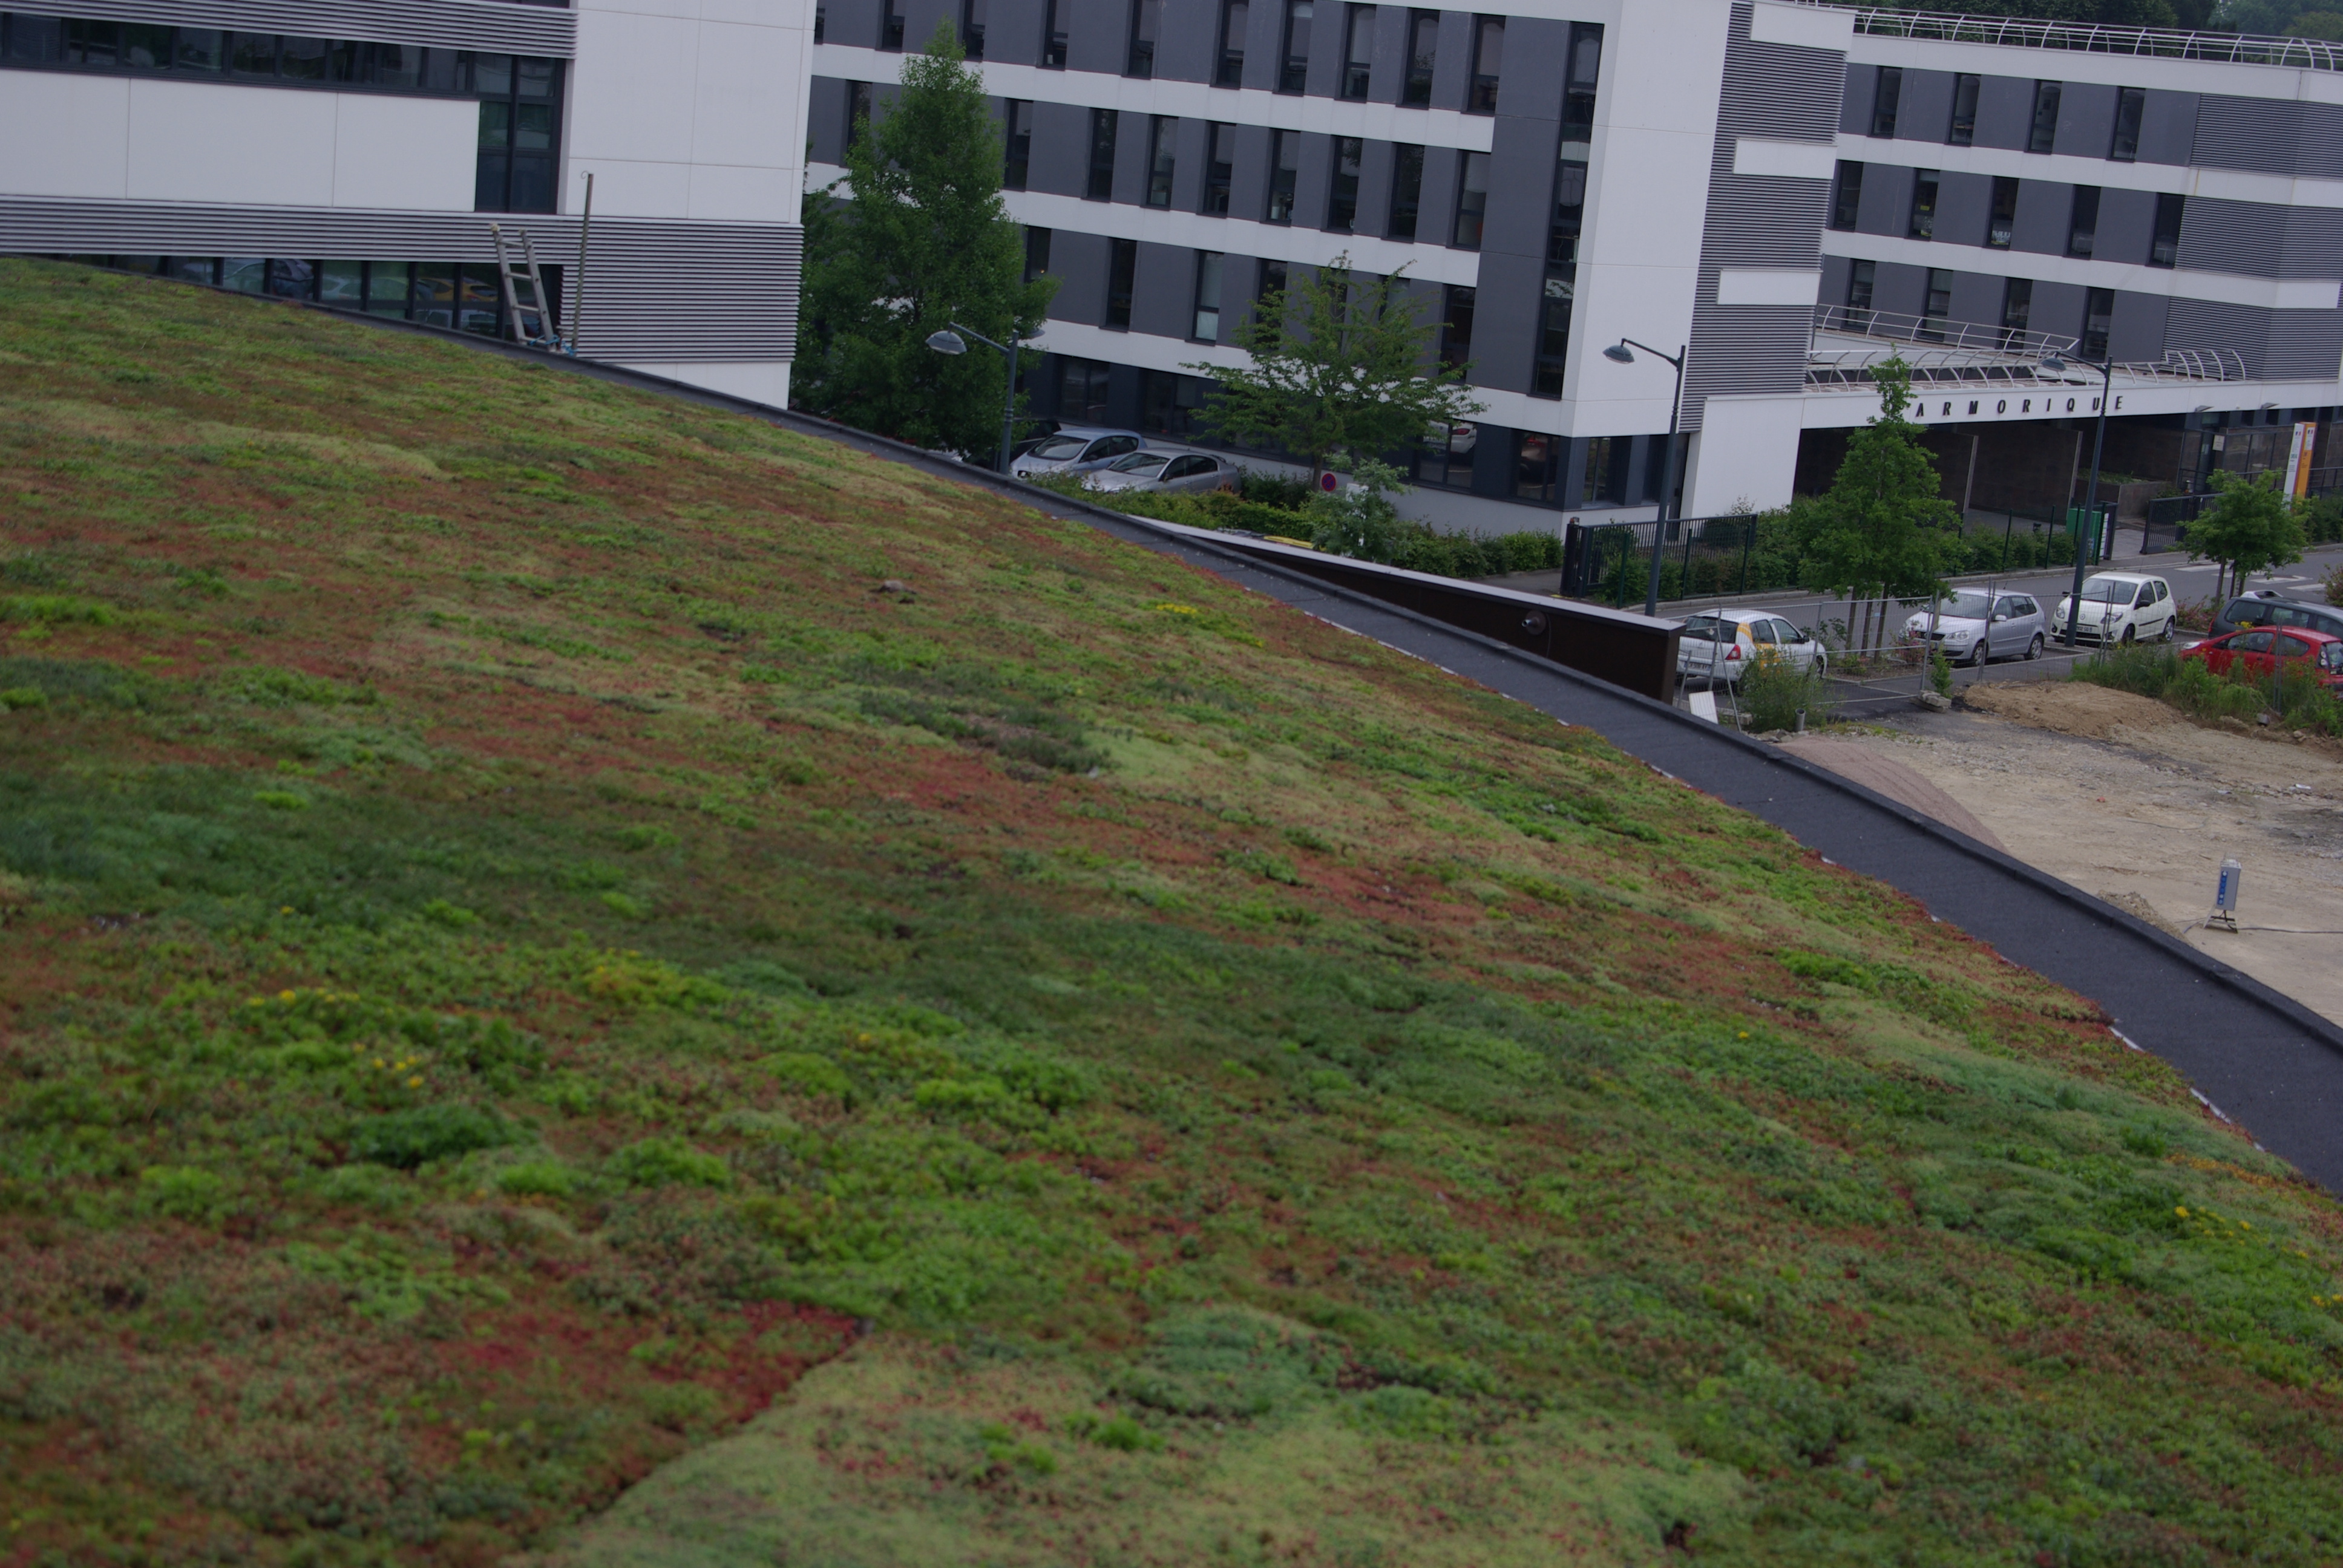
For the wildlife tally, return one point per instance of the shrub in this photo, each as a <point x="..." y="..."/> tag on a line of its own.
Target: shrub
<point x="2189" y="685"/>
<point x="669" y="1162"/>
<point x="182" y="1192"/>
<point x="809" y="1073"/>
<point x="409" y="1139"/>
<point x="537" y="1179"/>
<point x="1775" y="691"/>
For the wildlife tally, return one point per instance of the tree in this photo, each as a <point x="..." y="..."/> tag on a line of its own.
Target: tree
<point x="920" y="240"/>
<point x="1882" y="530"/>
<point x="1337" y="365"/>
<point x="2250" y="530"/>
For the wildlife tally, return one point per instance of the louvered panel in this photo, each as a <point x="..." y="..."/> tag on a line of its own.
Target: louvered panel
<point x="2259" y="135"/>
<point x="656" y="291"/>
<point x="547" y="31"/>
<point x="2258" y="239"/>
<point x="2319" y="154"/>
<point x="1780" y="92"/>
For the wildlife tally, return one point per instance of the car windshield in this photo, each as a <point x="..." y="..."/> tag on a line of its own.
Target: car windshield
<point x="1138" y="462"/>
<point x="1059" y="449"/>
<point x="2108" y="590"/>
<point x="1966" y="604"/>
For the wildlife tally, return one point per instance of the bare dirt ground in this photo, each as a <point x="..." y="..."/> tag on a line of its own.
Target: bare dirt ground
<point x="2118" y="796"/>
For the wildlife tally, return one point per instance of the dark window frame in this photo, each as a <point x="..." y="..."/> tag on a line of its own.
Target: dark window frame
<point x="2016" y="308"/>
<point x="1162" y="159"/>
<point x="1228" y="68"/>
<point x="2042" y="133"/>
<point x="1121" y="283"/>
<point x="1960" y="131"/>
<point x="1106" y="130"/>
<point x="2131" y="113"/>
<point x="1146" y="27"/>
<point x="1480" y="214"/>
<point x="1293" y="69"/>
<point x="2099" y="322"/>
<point x="1211" y="264"/>
<point x="890" y="26"/>
<point x="1407" y="192"/>
<point x="1037" y="252"/>
<point x="1016" y="143"/>
<point x="1053" y="37"/>
<point x="1480" y="86"/>
<point x="1925" y="186"/>
<point x="1219" y="174"/>
<point x="1284" y="178"/>
<point x="1415" y="81"/>
<point x="972" y="28"/>
<point x="1358" y="27"/>
<point x="2164" y="240"/>
<point x="2001" y="218"/>
<point x="1886" y="101"/>
<point x="1343" y="188"/>
<point x="2083" y="223"/>
<point x="1846" y="195"/>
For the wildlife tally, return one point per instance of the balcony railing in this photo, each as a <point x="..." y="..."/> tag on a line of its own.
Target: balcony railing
<point x="2092" y="38"/>
<point x="1946" y="354"/>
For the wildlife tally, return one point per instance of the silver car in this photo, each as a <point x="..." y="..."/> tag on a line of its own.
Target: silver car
<point x="1076" y="449"/>
<point x="1185" y="473"/>
<point x="1722" y="644"/>
<point x="1975" y="625"/>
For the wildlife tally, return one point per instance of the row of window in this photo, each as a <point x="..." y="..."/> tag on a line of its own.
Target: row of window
<point x="2042" y="132"/>
<point x="464" y="297"/>
<point x="2001" y="220"/>
<point x="519" y="96"/>
<point x="1299" y="21"/>
<point x="2017" y="307"/>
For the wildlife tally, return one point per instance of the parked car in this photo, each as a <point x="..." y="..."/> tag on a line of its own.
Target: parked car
<point x="1076" y="449"/>
<point x="1186" y="473"/>
<point x="1976" y="625"/>
<point x="2261" y="649"/>
<point x="1722" y="644"/>
<point x="2266" y="607"/>
<point x="2118" y="607"/>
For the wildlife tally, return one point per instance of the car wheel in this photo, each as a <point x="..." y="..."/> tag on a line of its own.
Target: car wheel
<point x="2033" y="648"/>
<point x="2128" y="638"/>
<point x="1982" y="651"/>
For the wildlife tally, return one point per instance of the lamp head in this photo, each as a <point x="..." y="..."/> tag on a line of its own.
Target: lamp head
<point x="1621" y="352"/>
<point x="947" y="342"/>
<point x="2054" y="362"/>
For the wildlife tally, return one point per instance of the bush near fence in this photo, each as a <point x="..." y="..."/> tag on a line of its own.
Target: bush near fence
<point x="2296" y="696"/>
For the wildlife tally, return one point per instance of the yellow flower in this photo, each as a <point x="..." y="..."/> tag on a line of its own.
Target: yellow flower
<point x="415" y="1083"/>
<point x="379" y="1063"/>
<point x="2182" y="1211"/>
<point x="285" y="997"/>
<point x="285" y="911"/>
<point x="1744" y="1034"/>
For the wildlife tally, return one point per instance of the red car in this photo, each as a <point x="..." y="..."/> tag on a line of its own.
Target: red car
<point x="2261" y="648"/>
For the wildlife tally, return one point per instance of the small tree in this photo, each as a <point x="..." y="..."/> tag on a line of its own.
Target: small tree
<point x="1337" y="365"/>
<point x="923" y="240"/>
<point x="2250" y="529"/>
<point x="1880" y="530"/>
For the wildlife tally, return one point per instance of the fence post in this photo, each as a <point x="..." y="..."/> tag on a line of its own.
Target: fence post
<point x="1748" y="542"/>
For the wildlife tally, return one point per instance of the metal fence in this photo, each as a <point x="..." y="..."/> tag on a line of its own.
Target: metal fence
<point x="1703" y="557"/>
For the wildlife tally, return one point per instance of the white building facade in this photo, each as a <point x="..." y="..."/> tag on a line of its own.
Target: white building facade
<point x="357" y="151"/>
<point x="1791" y="191"/>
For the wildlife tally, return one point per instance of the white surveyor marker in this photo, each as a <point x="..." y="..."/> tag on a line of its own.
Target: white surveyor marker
<point x="2225" y="896"/>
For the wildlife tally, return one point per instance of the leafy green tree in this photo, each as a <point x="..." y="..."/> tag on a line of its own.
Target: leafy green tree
<point x="1884" y="530"/>
<point x="1337" y="365"/>
<point x="922" y="239"/>
<point x="2252" y="528"/>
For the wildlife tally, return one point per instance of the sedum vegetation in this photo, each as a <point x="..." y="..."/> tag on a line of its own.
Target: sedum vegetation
<point x="545" y="1008"/>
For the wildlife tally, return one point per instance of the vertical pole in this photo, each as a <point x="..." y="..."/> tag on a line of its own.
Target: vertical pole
<point x="1968" y="488"/>
<point x="505" y="280"/>
<point x="1667" y="489"/>
<point x="1748" y="543"/>
<point x="578" y="292"/>
<point x="2075" y="599"/>
<point x="1009" y="403"/>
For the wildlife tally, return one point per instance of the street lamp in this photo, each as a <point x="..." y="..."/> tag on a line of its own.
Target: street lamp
<point x="1621" y="352"/>
<point x="950" y="342"/>
<point x="2055" y="362"/>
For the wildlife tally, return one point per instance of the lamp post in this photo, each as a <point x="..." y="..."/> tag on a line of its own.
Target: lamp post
<point x="1623" y="353"/>
<point x="2106" y="369"/>
<point x="949" y="342"/>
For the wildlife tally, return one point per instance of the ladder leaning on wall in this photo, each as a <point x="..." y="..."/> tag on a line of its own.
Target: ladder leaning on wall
<point x="539" y="306"/>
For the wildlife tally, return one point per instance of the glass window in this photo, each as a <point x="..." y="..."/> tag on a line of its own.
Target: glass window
<point x="1342" y="197"/>
<point x="1924" y="205"/>
<point x="301" y="59"/>
<point x="252" y="55"/>
<point x="342" y="283"/>
<point x="1163" y="139"/>
<point x="1537" y="466"/>
<point x="1146" y="25"/>
<point x="387" y="287"/>
<point x="199" y="48"/>
<point x="1569" y="217"/>
<point x="890" y="26"/>
<point x="2083" y="230"/>
<point x="1938" y="304"/>
<point x="858" y="112"/>
<point x="1605" y="478"/>
<point x="2131" y="107"/>
<point x="1860" y="280"/>
<point x="1122" y="268"/>
<point x="477" y="302"/>
<point x="1358" y="51"/>
<point x="1846" y="199"/>
<point x="1293" y="65"/>
<point x="1104" y="126"/>
<point x="93" y="42"/>
<point x="1284" y="156"/>
<point x="38" y="40"/>
<point x="1472" y="200"/>
<point x="193" y="269"/>
<point x="435" y="293"/>
<point x="2164" y="249"/>
<point x="2045" y="134"/>
<point x="2002" y="221"/>
<point x="292" y="279"/>
<point x="1423" y="50"/>
<point x="1456" y="326"/>
<point x="972" y="28"/>
<point x="1488" y="54"/>
<point x="1886" y="95"/>
<point x="1236" y="16"/>
<point x="394" y="64"/>
<point x="1578" y="94"/>
<point x="1272" y="281"/>
<point x="1553" y="339"/>
<point x="244" y="273"/>
<point x="1207" y="296"/>
<point x="1407" y="190"/>
<point x="1220" y="167"/>
<point x="145" y="48"/>
<point x="821" y="21"/>
<point x="1037" y="253"/>
<point x="2098" y="320"/>
<point x="1962" y="131"/>
<point x="1053" y="36"/>
<point x="1447" y="455"/>
<point x="1019" y="143"/>
<point x="2016" y="308"/>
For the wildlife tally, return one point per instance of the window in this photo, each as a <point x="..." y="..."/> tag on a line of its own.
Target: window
<point x="1537" y="466"/>
<point x="1447" y="457"/>
<point x="1104" y="123"/>
<point x="1962" y="131"/>
<point x="1053" y="35"/>
<point x="1293" y="61"/>
<point x="1284" y="156"/>
<point x="2016" y="309"/>
<point x="519" y="105"/>
<point x="1886" y="94"/>
<point x="1037" y="253"/>
<point x="1924" y="205"/>
<point x="2098" y="318"/>
<point x="1162" y="139"/>
<point x="1167" y="404"/>
<point x="2003" y="223"/>
<point x="1358" y="51"/>
<point x="2131" y="107"/>
<point x="1082" y="391"/>
<point x="1456" y="326"/>
<point x="1343" y="200"/>
<point x="2045" y="134"/>
<point x="1607" y="457"/>
<point x="1269" y="293"/>
<point x="1407" y="190"/>
<point x="1220" y="167"/>
<point x="1122" y="268"/>
<point x="857" y="111"/>
<point x="2083" y="226"/>
<point x="1938" y="304"/>
<point x="1569" y="217"/>
<point x="1423" y="50"/>
<point x="1472" y="200"/>
<point x="1235" y="17"/>
<point x="1488" y="54"/>
<point x="972" y="28"/>
<point x="1860" y="280"/>
<point x="1847" y="200"/>
<point x="891" y="24"/>
<point x="1208" y="297"/>
<point x="1020" y="144"/>
<point x="1146" y="24"/>
<point x="821" y="21"/>
<point x="2163" y="250"/>
<point x="1578" y="93"/>
<point x="1554" y="337"/>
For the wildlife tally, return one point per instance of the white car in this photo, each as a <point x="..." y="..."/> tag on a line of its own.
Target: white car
<point x="1076" y="449"/>
<point x="1722" y="644"/>
<point x="2118" y="607"/>
<point x="1189" y="473"/>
